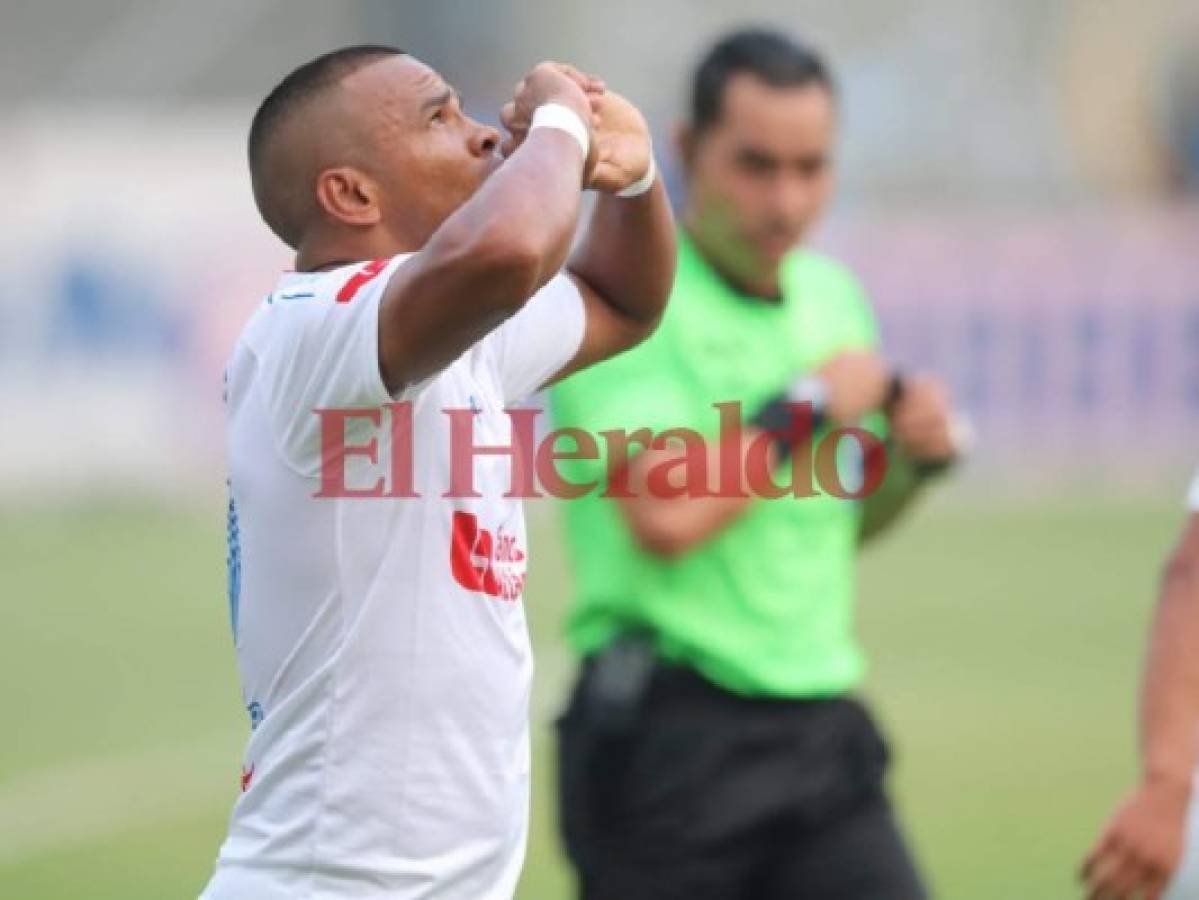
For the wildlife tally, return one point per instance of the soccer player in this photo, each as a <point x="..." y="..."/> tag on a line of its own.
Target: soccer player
<point x="713" y="747"/>
<point x="381" y="639"/>
<point x="1143" y="851"/>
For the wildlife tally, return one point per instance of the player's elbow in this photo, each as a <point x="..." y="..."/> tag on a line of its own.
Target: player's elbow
<point x="631" y="331"/>
<point x="644" y="324"/>
<point x="642" y="309"/>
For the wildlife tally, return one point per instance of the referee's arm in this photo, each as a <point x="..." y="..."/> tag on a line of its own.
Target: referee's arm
<point x="666" y="523"/>
<point x="922" y="444"/>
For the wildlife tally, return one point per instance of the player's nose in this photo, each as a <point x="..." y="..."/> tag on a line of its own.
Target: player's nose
<point x="484" y="140"/>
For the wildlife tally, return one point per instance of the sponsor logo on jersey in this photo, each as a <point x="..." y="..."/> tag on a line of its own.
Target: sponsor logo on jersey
<point x="486" y="562"/>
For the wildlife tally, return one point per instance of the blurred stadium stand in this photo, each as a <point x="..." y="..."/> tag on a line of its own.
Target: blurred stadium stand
<point x="1013" y="194"/>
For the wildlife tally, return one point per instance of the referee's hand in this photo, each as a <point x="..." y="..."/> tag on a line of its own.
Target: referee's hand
<point x="856" y="383"/>
<point x="922" y="421"/>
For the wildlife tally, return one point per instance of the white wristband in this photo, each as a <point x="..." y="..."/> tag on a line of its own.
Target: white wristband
<point x="644" y="183"/>
<point x="556" y="115"/>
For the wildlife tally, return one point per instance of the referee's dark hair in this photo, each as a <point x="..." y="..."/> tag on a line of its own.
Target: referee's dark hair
<point x="771" y="56"/>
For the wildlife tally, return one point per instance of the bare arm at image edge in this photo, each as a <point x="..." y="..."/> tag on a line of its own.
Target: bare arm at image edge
<point x="1141" y="846"/>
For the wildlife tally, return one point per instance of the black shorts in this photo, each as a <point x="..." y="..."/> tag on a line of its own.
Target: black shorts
<point x="712" y="796"/>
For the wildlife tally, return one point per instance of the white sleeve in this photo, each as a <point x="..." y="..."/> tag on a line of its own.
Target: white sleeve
<point x="1193" y="494"/>
<point x="317" y="347"/>
<point x="537" y="343"/>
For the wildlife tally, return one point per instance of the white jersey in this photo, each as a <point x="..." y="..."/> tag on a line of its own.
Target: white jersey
<point x="381" y="641"/>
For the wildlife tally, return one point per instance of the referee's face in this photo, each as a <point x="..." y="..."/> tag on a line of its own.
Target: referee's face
<point x="761" y="174"/>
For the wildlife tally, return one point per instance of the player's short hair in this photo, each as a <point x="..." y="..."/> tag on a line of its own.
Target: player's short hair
<point x="771" y="56"/>
<point x="287" y="98"/>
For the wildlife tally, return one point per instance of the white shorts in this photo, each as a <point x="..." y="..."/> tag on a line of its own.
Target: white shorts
<point x="1185" y="885"/>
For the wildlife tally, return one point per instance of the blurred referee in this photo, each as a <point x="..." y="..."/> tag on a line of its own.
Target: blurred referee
<point x="712" y="747"/>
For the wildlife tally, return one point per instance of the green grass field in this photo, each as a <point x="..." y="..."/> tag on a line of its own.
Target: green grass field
<point x="1004" y="638"/>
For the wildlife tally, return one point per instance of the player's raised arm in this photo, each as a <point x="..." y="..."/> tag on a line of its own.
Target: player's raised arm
<point x="498" y="248"/>
<point x="624" y="266"/>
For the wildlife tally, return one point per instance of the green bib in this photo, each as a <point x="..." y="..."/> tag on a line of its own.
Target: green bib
<point x="766" y="606"/>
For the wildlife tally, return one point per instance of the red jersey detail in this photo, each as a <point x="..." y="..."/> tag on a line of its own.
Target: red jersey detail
<point x="355" y="282"/>
<point x="483" y="562"/>
<point x="247" y="775"/>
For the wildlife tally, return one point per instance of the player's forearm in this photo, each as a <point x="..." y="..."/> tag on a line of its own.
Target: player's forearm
<point x="484" y="262"/>
<point x="628" y="255"/>
<point x="524" y="217"/>
<point x="1170" y="692"/>
<point x="882" y="509"/>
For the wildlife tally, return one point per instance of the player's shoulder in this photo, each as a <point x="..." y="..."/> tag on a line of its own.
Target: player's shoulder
<point x="296" y="292"/>
<point x="305" y="300"/>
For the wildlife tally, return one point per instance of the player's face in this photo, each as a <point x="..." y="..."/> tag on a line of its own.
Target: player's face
<point x="427" y="156"/>
<point x="762" y="174"/>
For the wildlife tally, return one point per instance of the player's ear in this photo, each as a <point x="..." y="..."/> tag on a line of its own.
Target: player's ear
<point x="684" y="144"/>
<point x="348" y="196"/>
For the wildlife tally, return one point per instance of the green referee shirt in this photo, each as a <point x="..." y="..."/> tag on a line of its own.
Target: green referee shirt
<point x="765" y="606"/>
